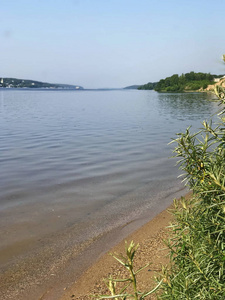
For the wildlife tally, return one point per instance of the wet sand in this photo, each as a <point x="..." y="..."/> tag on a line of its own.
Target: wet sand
<point x="150" y="238"/>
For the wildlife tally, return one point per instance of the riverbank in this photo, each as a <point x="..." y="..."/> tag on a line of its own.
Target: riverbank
<point x="108" y="175"/>
<point x="151" y="250"/>
<point x="46" y="267"/>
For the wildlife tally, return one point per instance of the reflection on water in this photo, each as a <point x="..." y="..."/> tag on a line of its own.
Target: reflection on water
<point x="186" y="106"/>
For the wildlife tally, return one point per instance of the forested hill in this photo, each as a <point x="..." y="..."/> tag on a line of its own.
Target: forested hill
<point x="186" y="82"/>
<point x="132" y="87"/>
<point x="148" y="86"/>
<point x="23" y="83"/>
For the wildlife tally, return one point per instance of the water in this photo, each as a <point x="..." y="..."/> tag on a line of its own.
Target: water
<point x="81" y="164"/>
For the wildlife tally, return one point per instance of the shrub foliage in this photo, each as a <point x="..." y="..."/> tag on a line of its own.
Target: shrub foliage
<point x="198" y="244"/>
<point x="120" y="288"/>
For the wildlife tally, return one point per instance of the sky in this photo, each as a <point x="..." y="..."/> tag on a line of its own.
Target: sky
<point x="110" y="43"/>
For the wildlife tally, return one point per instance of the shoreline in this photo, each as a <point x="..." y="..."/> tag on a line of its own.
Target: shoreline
<point x="56" y="262"/>
<point x="150" y="238"/>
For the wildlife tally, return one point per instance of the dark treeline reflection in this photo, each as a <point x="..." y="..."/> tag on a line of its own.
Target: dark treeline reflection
<point x="186" y="106"/>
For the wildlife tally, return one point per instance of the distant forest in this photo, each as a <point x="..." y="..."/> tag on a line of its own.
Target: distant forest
<point x="23" y="83"/>
<point x="186" y="82"/>
<point x="148" y="86"/>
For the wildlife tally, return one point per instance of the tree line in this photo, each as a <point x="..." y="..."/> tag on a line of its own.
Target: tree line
<point x="186" y="82"/>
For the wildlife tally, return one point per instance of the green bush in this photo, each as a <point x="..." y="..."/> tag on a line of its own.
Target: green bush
<point x="198" y="242"/>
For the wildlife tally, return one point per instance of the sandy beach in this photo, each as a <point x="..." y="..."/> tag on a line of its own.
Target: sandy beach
<point x="150" y="238"/>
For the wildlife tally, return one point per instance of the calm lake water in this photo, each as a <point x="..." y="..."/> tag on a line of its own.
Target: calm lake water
<point x="76" y="165"/>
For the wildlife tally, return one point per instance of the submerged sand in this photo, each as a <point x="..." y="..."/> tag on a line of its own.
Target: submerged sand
<point x="45" y="266"/>
<point x="61" y="271"/>
<point x="152" y="249"/>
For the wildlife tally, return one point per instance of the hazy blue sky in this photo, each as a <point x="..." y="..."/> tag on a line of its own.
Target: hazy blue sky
<point x="110" y="43"/>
